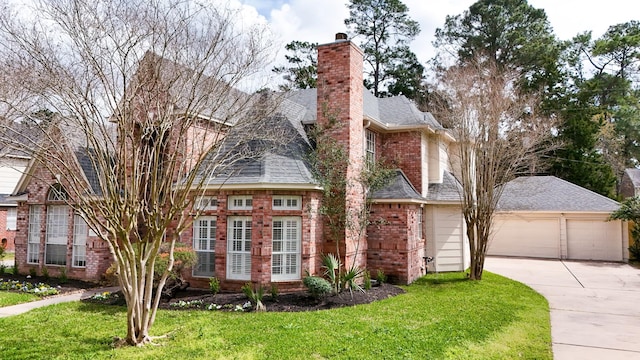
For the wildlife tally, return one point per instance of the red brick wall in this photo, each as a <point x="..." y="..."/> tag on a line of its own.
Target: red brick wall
<point x="340" y="99"/>
<point x="98" y="256"/>
<point x="261" y="243"/>
<point x="403" y="149"/>
<point x="394" y="245"/>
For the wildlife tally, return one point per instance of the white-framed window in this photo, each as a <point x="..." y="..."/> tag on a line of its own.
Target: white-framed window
<point x="80" y="236"/>
<point x="281" y="202"/>
<point x="204" y="244"/>
<point x="33" y="240"/>
<point x="206" y="203"/>
<point x="370" y="146"/>
<point x="242" y="202"/>
<point x="285" y="257"/>
<point x="239" y="248"/>
<point x="55" y="249"/>
<point x="12" y="218"/>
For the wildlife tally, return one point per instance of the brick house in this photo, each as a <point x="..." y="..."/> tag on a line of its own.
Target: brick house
<point x="259" y="220"/>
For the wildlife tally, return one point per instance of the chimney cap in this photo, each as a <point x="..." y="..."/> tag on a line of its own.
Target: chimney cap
<point x="341" y="36"/>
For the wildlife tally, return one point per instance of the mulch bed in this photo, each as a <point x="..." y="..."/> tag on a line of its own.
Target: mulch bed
<point x="192" y="299"/>
<point x="197" y="299"/>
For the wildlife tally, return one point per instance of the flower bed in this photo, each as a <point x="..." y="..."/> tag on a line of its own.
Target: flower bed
<point x="39" y="289"/>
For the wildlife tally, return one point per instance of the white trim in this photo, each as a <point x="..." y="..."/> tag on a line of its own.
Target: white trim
<point x="208" y="240"/>
<point x="261" y="186"/>
<point x="290" y="244"/>
<point x="240" y="202"/>
<point x="239" y="234"/>
<point x="286" y="202"/>
<point x="80" y="237"/>
<point x="204" y="203"/>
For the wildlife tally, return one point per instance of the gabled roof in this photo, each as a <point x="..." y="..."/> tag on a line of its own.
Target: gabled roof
<point x="391" y="112"/>
<point x="634" y="176"/>
<point x="549" y="193"/>
<point x="449" y="191"/>
<point x="398" y="189"/>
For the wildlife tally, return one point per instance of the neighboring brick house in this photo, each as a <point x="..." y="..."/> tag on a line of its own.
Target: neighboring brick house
<point x="259" y="219"/>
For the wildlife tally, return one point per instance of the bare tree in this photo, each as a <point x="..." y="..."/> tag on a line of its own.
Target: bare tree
<point x="499" y="137"/>
<point x="146" y="92"/>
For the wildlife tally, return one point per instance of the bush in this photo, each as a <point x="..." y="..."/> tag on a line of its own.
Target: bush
<point x="214" y="285"/>
<point x="317" y="286"/>
<point x="45" y="273"/>
<point x="634" y="250"/>
<point x="63" y="276"/>
<point x="381" y="277"/>
<point x="33" y="272"/>
<point x="366" y="280"/>
<point x="183" y="256"/>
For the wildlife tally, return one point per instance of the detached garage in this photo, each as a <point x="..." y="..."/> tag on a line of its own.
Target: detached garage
<point x="546" y="217"/>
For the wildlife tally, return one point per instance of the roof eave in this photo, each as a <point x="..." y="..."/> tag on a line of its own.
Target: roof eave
<point x="398" y="201"/>
<point x="262" y="186"/>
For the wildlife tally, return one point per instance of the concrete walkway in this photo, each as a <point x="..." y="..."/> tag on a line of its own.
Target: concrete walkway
<point x="75" y="296"/>
<point x="595" y="306"/>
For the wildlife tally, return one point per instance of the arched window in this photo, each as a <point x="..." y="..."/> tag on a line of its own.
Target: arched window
<point x="57" y="193"/>
<point x="57" y="227"/>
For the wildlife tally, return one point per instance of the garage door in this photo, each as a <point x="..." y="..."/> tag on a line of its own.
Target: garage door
<point x="526" y="237"/>
<point x="594" y="240"/>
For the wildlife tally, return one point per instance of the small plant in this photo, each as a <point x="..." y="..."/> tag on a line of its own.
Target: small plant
<point x="15" y="268"/>
<point x="104" y="296"/>
<point x="214" y="285"/>
<point x="332" y="268"/>
<point x="366" y="280"/>
<point x="634" y="249"/>
<point x="317" y="286"/>
<point x="2" y="269"/>
<point x="33" y="272"/>
<point x="63" y="276"/>
<point x="349" y="279"/>
<point x="274" y="292"/>
<point x="45" y="273"/>
<point x="381" y="277"/>
<point x="255" y="296"/>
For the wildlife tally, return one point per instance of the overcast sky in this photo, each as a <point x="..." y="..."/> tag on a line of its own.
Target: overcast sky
<point x="319" y="20"/>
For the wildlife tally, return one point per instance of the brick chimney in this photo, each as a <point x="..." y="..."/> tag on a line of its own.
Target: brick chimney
<point x="340" y="100"/>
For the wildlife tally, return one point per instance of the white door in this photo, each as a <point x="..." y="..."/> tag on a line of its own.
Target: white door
<point x="518" y="236"/>
<point x="594" y="240"/>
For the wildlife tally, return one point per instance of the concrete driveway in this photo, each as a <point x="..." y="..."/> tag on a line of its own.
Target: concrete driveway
<point x="595" y="306"/>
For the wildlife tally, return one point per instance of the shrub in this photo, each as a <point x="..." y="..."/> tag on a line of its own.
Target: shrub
<point x="331" y="263"/>
<point x="183" y="256"/>
<point x="214" y="285"/>
<point x="110" y="277"/>
<point x="366" y="280"/>
<point x="317" y="286"/>
<point x="634" y="249"/>
<point x="274" y="292"/>
<point x="63" y="275"/>
<point x="33" y="272"/>
<point x="381" y="277"/>
<point x="45" y="273"/>
<point x="15" y="268"/>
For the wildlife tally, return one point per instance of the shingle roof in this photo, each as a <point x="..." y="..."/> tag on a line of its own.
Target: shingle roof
<point x="390" y="111"/>
<point x="275" y="163"/>
<point x="399" y="188"/>
<point x="447" y="191"/>
<point x="549" y="193"/>
<point x="84" y="155"/>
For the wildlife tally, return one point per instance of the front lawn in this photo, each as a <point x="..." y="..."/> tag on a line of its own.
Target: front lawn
<point x="8" y="298"/>
<point x="441" y="316"/>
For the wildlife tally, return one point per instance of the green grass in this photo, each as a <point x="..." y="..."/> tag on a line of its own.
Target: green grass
<point x="441" y="316"/>
<point x="9" y="256"/>
<point x="8" y="298"/>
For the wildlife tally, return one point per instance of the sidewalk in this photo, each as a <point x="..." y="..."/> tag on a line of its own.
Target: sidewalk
<point x="75" y="296"/>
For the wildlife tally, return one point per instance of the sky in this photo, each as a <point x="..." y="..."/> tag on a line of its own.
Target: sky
<point x="319" y="20"/>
